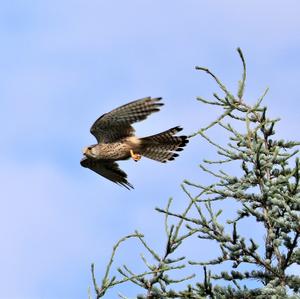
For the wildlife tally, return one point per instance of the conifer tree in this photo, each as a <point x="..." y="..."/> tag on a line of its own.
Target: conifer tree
<point x="266" y="191"/>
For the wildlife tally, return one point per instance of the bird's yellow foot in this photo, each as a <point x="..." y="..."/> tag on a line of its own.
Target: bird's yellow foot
<point x="135" y="157"/>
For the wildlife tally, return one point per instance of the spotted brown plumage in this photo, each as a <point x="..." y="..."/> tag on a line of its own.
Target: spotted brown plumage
<point x="116" y="140"/>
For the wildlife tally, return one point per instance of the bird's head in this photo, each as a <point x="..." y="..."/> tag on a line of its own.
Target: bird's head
<point x="89" y="151"/>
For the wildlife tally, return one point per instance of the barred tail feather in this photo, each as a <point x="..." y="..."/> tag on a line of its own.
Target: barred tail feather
<point x="162" y="147"/>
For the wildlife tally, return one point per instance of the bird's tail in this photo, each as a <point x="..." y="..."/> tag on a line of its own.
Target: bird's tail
<point x="162" y="147"/>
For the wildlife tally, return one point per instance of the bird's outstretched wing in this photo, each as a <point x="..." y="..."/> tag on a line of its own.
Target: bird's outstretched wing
<point x="107" y="169"/>
<point x="116" y="124"/>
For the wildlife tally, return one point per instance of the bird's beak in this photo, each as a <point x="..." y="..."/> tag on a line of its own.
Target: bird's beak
<point x="84" y="150"/>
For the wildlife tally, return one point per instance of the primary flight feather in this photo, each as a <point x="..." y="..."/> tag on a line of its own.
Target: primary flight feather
<point x="116" y="140"/>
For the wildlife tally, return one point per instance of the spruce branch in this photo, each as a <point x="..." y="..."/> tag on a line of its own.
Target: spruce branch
<point x="266" y="192"/>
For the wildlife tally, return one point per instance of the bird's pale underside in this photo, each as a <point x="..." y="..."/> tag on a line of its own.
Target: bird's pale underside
<point x="116" y="141"/>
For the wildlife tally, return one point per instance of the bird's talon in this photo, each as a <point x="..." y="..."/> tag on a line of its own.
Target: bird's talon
<point x="136" y="157"/>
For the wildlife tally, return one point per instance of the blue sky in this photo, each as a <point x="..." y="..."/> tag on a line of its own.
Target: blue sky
<point x="64" y="63"/>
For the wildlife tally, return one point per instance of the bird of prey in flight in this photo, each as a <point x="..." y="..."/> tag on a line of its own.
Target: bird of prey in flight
<point x="116" y="140"/>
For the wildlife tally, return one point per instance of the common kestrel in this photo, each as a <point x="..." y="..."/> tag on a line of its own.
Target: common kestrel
<point x="116" y="141"/>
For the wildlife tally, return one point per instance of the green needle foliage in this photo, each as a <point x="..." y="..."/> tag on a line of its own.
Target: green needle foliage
<point x="267" y="194"/>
